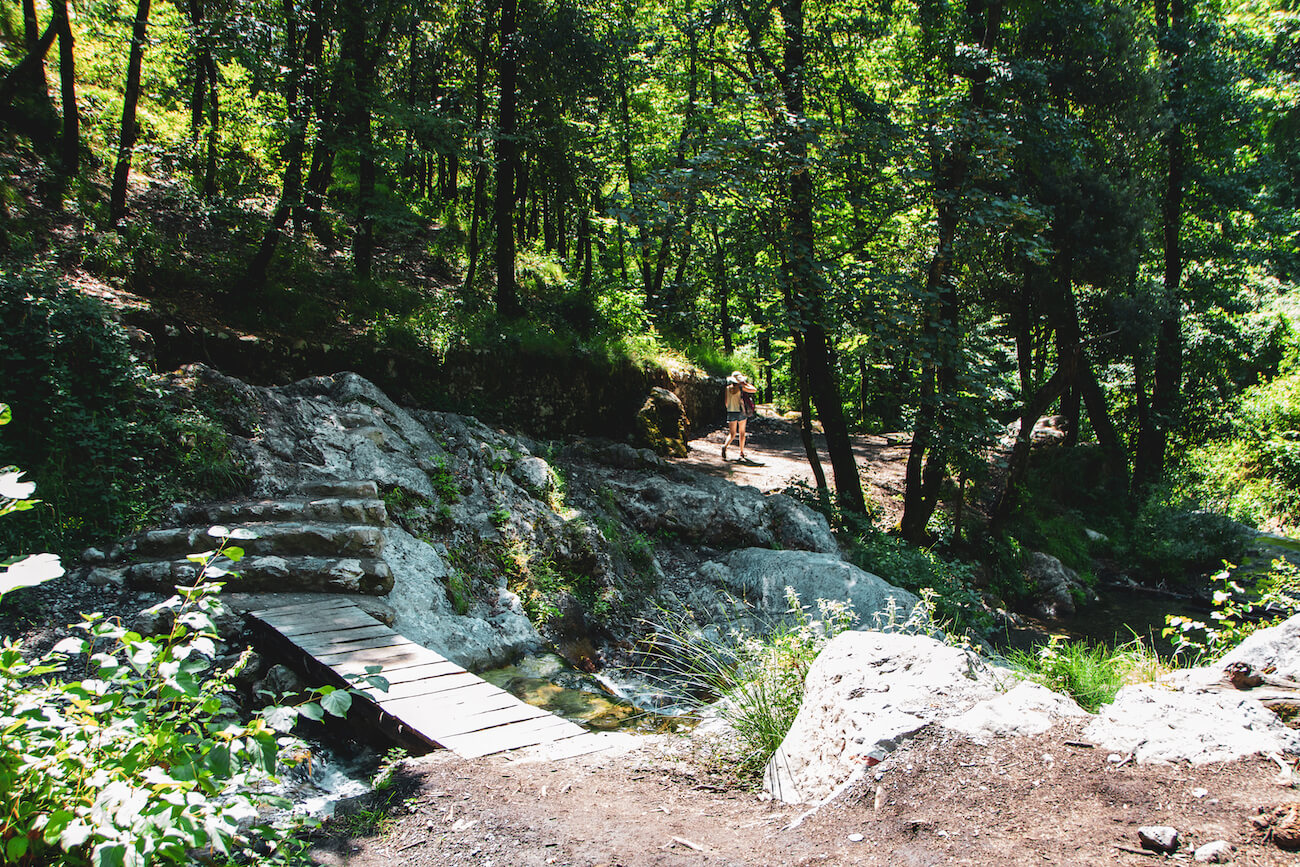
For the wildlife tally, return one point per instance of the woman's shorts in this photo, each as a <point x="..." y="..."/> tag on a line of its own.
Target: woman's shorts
<point x="735" y="416"/>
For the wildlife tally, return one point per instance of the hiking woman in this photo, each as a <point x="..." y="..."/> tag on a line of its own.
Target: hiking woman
<point x="737" y="385"/>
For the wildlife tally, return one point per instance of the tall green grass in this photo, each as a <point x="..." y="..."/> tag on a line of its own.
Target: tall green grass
<point x="1092" y="674"/>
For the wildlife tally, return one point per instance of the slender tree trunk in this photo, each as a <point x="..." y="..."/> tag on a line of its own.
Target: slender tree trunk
<point x="126" y="142"/>
<point x="808" y="305"/>
<point x="507" y="294"/>
<point x="722" y="287"/>
<point x="480" y="161"/>
<point x="928" y="459"/>
<point x="805" y="422"/>
<point x="294" y="149"/>
<point x="70" y="143"/>
<point x="21" y="74"/>
<point x="1167" y="378"/>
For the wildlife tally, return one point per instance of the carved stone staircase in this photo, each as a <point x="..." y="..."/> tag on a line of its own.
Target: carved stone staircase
<point x="322" y="537"/>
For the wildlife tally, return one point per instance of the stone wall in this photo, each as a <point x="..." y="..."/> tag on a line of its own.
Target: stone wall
<point x="537" y="393"/>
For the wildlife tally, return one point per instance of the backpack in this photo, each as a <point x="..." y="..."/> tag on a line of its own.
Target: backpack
<point x="747" y="403"/>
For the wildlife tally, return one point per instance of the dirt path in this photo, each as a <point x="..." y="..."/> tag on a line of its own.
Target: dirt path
<point x="939" y="800"/>
<point x="778" y="460"/>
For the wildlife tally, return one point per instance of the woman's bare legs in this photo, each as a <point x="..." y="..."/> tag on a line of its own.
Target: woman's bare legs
<point x="731" y="436"/>
<point x="741" y="425"/>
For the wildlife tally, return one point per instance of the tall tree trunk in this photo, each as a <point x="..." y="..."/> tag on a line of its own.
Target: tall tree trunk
<point x="356" y="122"/>
<point x="807" y="304"/>
<point x="70" y="142"/>
<point x="294" y="149"/>
<point x="21" y="74"/>
<point x="722" y="288"/>
<point x="480" y="161"/>
<point x="805" y="421"/>
<point x="507" y="294"/>
<point x="1167" y="376"/>
<point x="929" y="456"/>
<point x="126" y="142"/>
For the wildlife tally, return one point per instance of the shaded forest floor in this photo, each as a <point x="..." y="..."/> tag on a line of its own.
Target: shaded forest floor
<point x="941" y="799"/>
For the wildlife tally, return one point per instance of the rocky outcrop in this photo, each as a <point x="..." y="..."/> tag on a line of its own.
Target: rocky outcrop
<point x="720" y="514"/>
<point x="866" y="694"/>
<point x="662" y="424"/>
<point x="762" y="576"/>
<point x="1154" y="723"/>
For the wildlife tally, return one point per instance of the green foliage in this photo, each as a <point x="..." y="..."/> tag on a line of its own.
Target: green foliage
<point x="1091" y="674"/>
<point x="955" y="600"/>
<point x="1170" y="541"/>
<point x="459" y="592"/>
<point x="1253" y="471"/>
<point x="499" y="516"/>
<point x="444" y="480"/>
<point x="757" y="680"/>
<point x="1238" y="612"/>
<point x="139" y="762"/>
<point x="107" y="444"/>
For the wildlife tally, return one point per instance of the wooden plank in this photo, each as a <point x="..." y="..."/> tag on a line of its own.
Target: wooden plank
<point x="510" y="737"/>
<point x="437" y="688"/>
<point x="451" y="699"/>
<point x="568" y="748"/>
<point x="437" y="723"/>
<point x="296" y="608"/>
<point x="406" y="675"/>
<point x="375" y="630"/>
<point x="344" y="619"/>
<point x="297" y="618"/>
<point x="399" y="656"/>
<point x="324" y="644"/>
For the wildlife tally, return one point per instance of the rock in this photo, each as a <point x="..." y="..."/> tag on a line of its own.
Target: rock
<point x="1158" y="838"/>
<point x="1284" y="826"/>
<point x="1160" y="724"/>
<point x="717" y="513"/>
<point x="1055" y="587"/>
<point x="535" y="476"/>
<point x="281" y="681"/>
<point x="1214" y="852"/>
<point x="1277" y="648"/>
<point x="1025" y="709"/>
<point x="866" y="693"/>
<point x="760" y="576"/>
<point x="662" y="425"/>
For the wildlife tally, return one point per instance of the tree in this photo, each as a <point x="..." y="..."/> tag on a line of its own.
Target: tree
<point x="129" y="130"/>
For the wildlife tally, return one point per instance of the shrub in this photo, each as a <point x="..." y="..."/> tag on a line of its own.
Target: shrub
<point x="106" y="443"/>
<point x="1171" y="540"/>
<point x="757" y="680"/>
<point x="1237" y="613"/>
<point x="138" y="763"/>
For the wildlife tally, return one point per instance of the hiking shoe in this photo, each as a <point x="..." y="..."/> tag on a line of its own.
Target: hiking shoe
<point x="724" y="453"/>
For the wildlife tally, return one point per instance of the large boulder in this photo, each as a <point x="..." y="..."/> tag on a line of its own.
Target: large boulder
<point x="1155" y="723"/>
<point x="866" y="694"/>
<point x="1276" y="648"/>
<point x="761" y="576"/>
<point x="1056" y="587"/>
<point x="714" y="512"/>
<point x="662" y="425"/>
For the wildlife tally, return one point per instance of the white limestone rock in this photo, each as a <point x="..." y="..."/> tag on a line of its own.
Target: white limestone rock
<point x="1026" y="709"/>
<point x="867" y="693"/>
<point x="1277" y="647"/>
<point x="1154" y="723"/>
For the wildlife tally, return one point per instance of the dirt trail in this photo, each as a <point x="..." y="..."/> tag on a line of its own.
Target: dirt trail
<point x="778" y="460"/>
<point x="940" y="799"/>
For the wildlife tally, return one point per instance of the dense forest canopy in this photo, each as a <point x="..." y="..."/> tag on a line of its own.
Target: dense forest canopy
<point x="925" y="216"/>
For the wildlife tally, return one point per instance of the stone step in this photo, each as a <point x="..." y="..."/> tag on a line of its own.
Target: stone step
<point x="348" y="489"/>
<point x="281" y="574"/>
<point x="284" y="539"/>
<point x="332" y="510"/>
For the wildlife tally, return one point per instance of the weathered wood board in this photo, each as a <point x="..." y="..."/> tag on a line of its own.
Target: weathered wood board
<point x="429" y="696"/>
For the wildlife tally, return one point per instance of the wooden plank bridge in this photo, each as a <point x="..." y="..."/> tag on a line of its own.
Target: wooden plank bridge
<point x="430" y="702"/>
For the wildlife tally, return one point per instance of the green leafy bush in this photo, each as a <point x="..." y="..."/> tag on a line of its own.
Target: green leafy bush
<point x="1170" y="541"/>
<point x="107" y="443"/>
<point x="1238" y="612"/>
<point x="1253" y="471"/>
